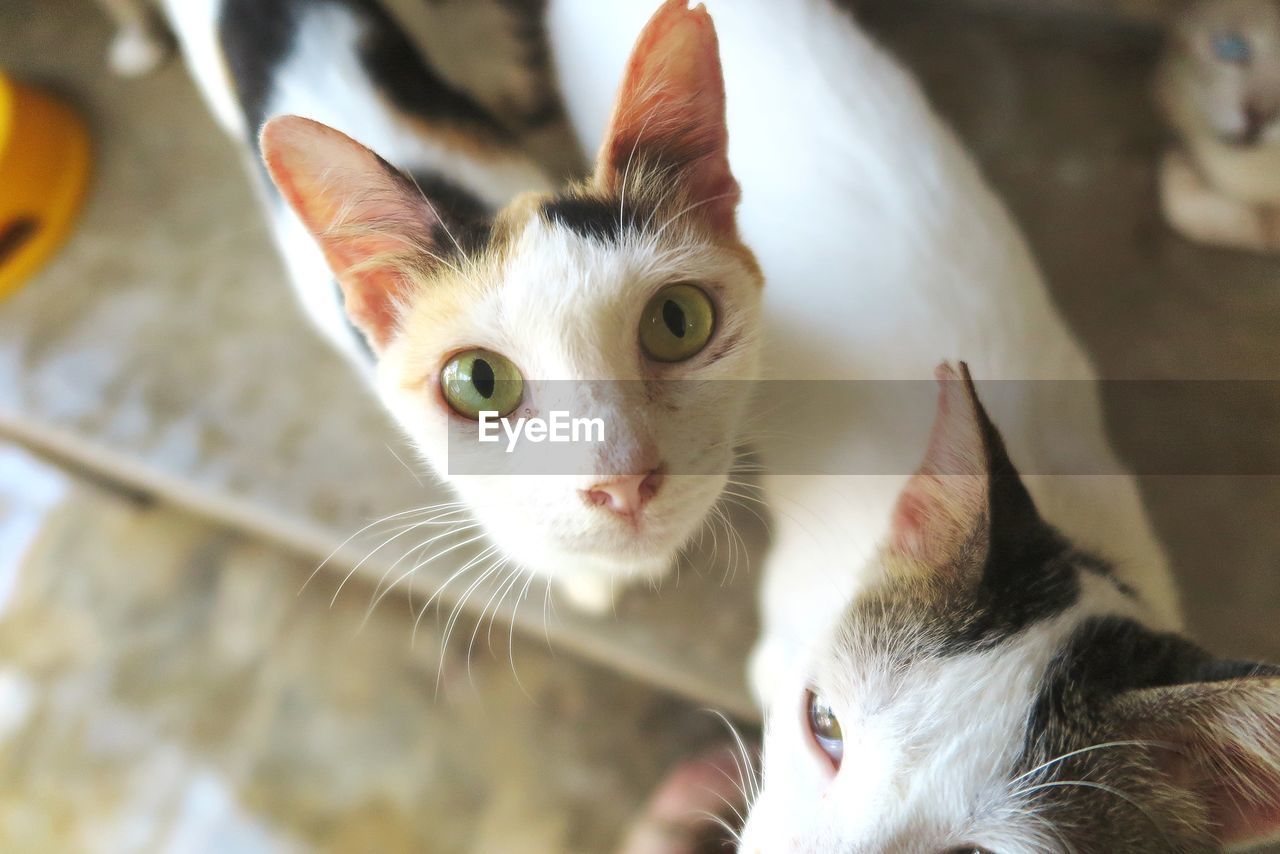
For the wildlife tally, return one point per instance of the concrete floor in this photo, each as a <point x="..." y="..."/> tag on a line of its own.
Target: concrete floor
<point x="169" y="685"/>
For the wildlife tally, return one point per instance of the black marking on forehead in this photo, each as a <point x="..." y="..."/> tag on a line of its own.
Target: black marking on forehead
<point x="597" y="219"/>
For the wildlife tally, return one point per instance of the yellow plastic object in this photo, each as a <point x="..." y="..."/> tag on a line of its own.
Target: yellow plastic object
<point x="44" y="171"/>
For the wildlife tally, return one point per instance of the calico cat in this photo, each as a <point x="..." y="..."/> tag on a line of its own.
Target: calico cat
<point x="465" y="284"/>
<point x="884" y="250"/>
<point x="993" y="687"/>
<point x="1219" y="88"/>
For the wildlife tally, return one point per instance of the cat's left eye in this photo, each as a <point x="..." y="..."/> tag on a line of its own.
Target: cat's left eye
<point x="677" y="323"/>
<point x="1232" y="47"/>
<point x="824" y="727"/>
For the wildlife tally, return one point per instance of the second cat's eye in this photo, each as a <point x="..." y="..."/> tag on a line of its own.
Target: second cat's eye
<point x="1231" y="46"/>
<point x="824" y="727"/>
<point x="476" y="381"/>
<point x="677" y="323"/>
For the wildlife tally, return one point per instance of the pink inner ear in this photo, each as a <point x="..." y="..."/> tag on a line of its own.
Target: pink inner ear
<point x="947" y="497"/>
<point x="365" y="218"/>
<point x="670" y="113"/>
<point x="1240" y="819"/>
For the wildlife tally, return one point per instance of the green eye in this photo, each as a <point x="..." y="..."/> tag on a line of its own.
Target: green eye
<point x="478" y="381"/>
<point x="677" y="323"/>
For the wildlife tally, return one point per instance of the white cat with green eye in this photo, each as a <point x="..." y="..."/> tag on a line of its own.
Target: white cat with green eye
<point x="494" y="293"/>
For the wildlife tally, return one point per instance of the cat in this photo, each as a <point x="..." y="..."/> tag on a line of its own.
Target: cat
<point x="883" y="250"/>
<point x="1218" y="85"/>
<point x="993" y="687"/>
<point x="465" y="280"/>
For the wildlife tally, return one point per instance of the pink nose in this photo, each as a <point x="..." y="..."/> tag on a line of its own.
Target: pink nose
<point x="626" y="494"/>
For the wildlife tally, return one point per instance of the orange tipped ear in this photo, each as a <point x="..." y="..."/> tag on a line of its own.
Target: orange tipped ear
<point x="370" y="221"/>
<point x="670" y="116"/>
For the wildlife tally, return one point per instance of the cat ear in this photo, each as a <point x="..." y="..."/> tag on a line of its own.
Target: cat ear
<point x="1225" y="740"/>
<point x="669" y="122"/>
<point x="370" y="221"/>
<point x="948" y="512"/>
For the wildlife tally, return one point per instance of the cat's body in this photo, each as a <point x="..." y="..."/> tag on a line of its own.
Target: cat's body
<point x="351" y="65"/>
<point x="883" y="250"/>
<point x="1219" y="88"/>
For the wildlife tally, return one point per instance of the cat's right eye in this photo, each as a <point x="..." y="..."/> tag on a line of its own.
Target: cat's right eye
<point x="476" y="381"/>
<point x="1232" y="47"/>
<point x="824" y="727"/>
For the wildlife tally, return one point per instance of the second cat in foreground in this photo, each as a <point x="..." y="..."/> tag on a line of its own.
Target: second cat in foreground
<point x="995" y="689"/>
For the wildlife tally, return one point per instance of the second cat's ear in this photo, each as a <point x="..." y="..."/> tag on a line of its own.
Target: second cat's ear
<point x="966" y="499"/>
<point x="668" y="122"/>
<point x="371" y="222"/>
<point x="1219" y="739"/>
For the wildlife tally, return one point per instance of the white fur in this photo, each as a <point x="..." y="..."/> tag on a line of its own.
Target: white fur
<point x="929" y="751"/>
<point x="567" y="315"/>
<point x="884" y="252"/>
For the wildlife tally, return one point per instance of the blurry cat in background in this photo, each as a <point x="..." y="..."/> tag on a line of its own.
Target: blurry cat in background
<point x="1219" y="87"/>
<point x="994" y="688"/>
<point x="465" y="284"/>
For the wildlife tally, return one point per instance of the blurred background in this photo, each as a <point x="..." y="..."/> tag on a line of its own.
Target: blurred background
<point x="182" y="670"/>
